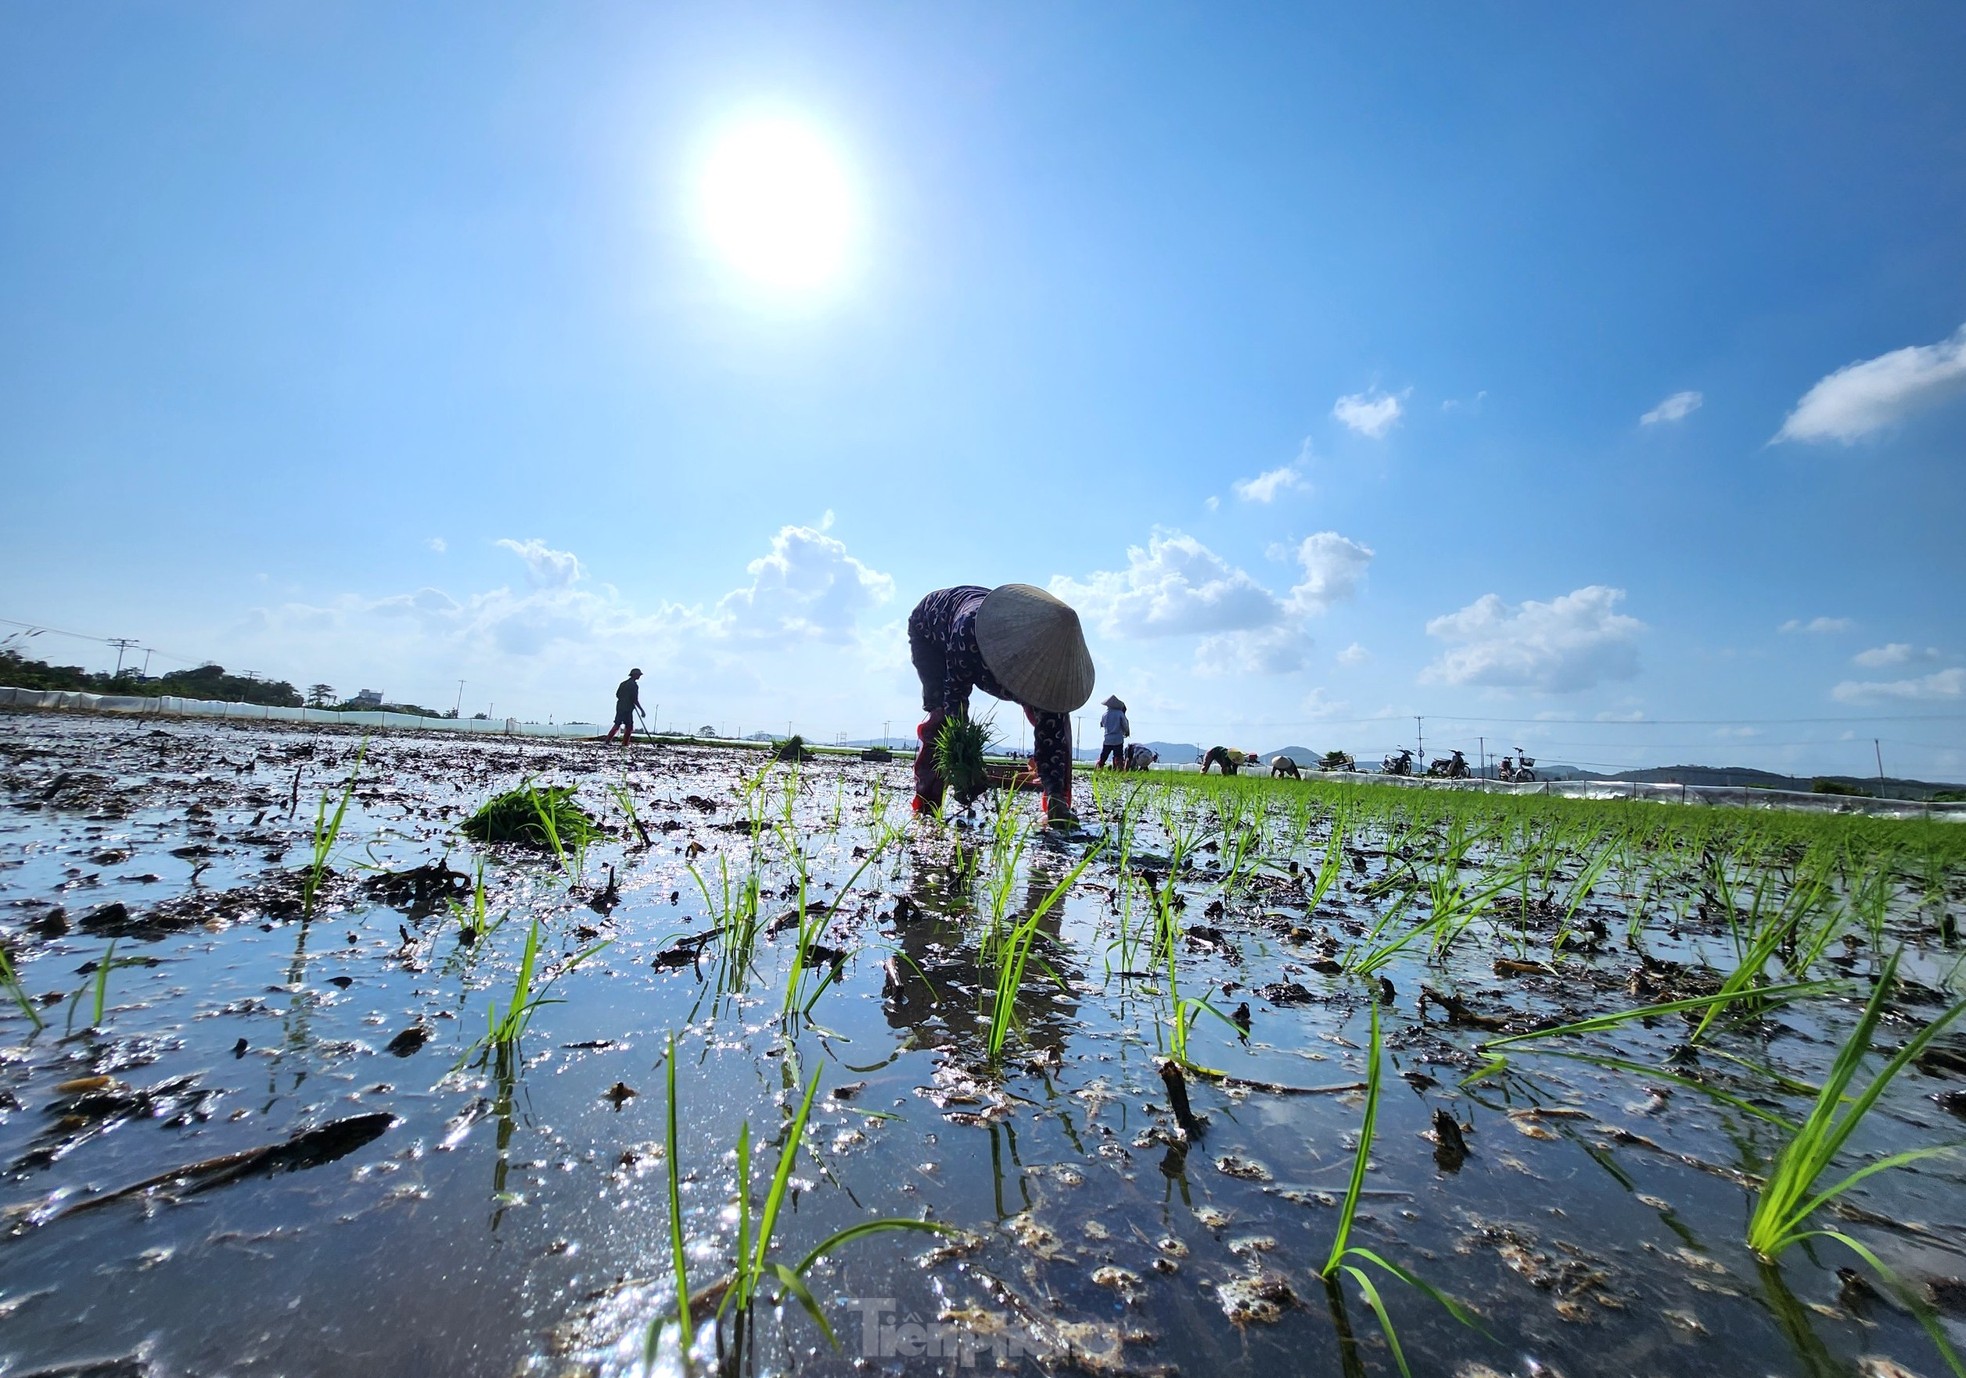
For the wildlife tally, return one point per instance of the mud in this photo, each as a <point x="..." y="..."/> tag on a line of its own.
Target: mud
<point x="284" y="1147"/>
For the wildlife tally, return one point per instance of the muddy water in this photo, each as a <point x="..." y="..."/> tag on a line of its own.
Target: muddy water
<point x="283" y="1148"/>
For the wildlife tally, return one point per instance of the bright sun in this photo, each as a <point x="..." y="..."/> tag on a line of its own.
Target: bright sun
<point x="776" y="203"/>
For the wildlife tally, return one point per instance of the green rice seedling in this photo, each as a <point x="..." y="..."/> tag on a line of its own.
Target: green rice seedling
<point x="1763" y="998"/>
<point x="755" y="1268"/>
<point x="624" y="798"/>
<point x="11" y="983"/>
<point x="1332" y="867"/>
<point x="1343" y="1251"/>
<point x="677" y="1254"/>
<point x="97" y="987"/>
<point x="1580" y="891"/>
<point x="1789" y="1196"/>
<point x="813" y="924"/>
<point x="734" y="911"/>
<point x="507" y="1024"/>
<point x="326" y="829"/>
<point x="1015" y="954"/>
<point x="959" y="751"/>
<point x="1010" y="835"/>
<point x="471" y="923"/>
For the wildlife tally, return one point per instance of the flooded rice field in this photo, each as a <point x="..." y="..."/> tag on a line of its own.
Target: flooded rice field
<point x="1241" y="1077"/>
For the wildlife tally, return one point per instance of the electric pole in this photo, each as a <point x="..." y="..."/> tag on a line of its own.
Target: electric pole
<point x="1483" y="748"/>
<point x="1420" y="734"/>
<point x="121" y="643"/>
<point x="458" y="711"/>
<point x="1875" y="746"/>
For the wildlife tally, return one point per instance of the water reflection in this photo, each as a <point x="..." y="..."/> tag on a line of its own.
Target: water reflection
<point x="941" y="983"/>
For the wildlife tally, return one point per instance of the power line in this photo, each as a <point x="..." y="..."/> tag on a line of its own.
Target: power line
<point x="100" y="640"/>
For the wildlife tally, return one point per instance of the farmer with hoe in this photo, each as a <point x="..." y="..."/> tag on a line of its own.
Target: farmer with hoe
<point x="627" y="703"/>
<point x="1016" y="643"/>
<point x="1115" y="729"/>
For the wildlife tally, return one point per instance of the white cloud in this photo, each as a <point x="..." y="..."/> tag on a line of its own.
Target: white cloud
<point x="546" y="567"/>
<point x="1573" y="642"/>
<point x="1333" y="567"/>
<point x="1317" y="706"/>
<point x="1677" y="407"/>
<point x="1941" y="685"/>
<point x="1896" y="653"/>
<point x="1274" y="650"/>
<point x="1265" y="486"/>
<point x="807" y="587"/>
<point x="1178" y="586"/>
<point x="438" y="544"/>
<point x="1818" y="626"/>
<point x="1736" y="733"/>
<point x="1354" y="654"/>
<point x="547" y="644"/>
<point x="1370" y="413"/>
<point x="1174" y="586"/>
<point x="1867" y="396"/>
<point x="1211" y="502"/>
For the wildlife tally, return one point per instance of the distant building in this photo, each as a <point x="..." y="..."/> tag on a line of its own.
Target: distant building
<point x="368" y="698"/>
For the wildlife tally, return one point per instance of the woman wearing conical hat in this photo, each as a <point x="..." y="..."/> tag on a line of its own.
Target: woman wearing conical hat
<point x="1016" y="643"/>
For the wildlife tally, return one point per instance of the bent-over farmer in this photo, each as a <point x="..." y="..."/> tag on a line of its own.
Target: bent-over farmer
<point x="627" y="702"/>
<point x="1016" y="643"/>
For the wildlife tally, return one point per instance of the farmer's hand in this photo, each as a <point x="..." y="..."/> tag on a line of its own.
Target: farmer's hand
<point x="928" y="784"/>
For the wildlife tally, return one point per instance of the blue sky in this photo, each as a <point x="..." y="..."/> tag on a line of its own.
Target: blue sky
<point x="1309" y="353"/>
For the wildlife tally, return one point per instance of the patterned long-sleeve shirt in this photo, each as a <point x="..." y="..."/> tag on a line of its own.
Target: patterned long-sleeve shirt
<point x="942" y="643"/>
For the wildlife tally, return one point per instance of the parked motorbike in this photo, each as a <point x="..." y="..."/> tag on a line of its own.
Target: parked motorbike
<point x="1401" y="763"/>
<point x="1516" y="770"/>
<point x="1449" y="768"/>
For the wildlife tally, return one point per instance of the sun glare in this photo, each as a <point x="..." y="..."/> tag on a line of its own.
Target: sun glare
<point x="777" y="205"/>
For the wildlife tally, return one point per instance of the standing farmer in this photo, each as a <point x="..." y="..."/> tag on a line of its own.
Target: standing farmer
<point x="1016" y="643"/>
<point x="1115" y="729"/>
<point x="627" y="703"/>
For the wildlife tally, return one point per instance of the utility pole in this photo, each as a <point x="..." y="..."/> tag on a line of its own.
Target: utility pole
<point x="1421" y="747"/>
<point x="121" y="643"/>
<point x="458" y="711"/>
<point x="885" y="725"/>
<point x="146" y="662"/>
<point x="1078" y="737"/>
<point x="1875" y="746"/>
<point x="1484" y="755"/>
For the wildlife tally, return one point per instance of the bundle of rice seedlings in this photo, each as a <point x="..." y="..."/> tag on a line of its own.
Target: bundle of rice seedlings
<point x="959" y="748"/>
<point x="533" y="817"/>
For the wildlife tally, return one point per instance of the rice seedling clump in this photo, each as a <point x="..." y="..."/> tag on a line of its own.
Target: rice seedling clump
<point x="533" y="818"/>
<point x="959" y="748"/>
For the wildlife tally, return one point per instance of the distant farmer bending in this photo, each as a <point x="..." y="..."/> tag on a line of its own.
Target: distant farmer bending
<point x="1226" y="757"/>
<point x="1016" y="643"/>
<point x="627" y="703"/>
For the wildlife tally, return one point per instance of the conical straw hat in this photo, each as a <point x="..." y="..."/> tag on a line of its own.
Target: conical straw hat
<point x="1032" y="643"/>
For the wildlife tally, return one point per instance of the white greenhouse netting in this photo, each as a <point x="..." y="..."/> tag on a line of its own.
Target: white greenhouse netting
<point x="170" y="706"/>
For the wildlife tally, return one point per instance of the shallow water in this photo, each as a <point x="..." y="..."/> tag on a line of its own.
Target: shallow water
<point x="512" y="1217"/>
